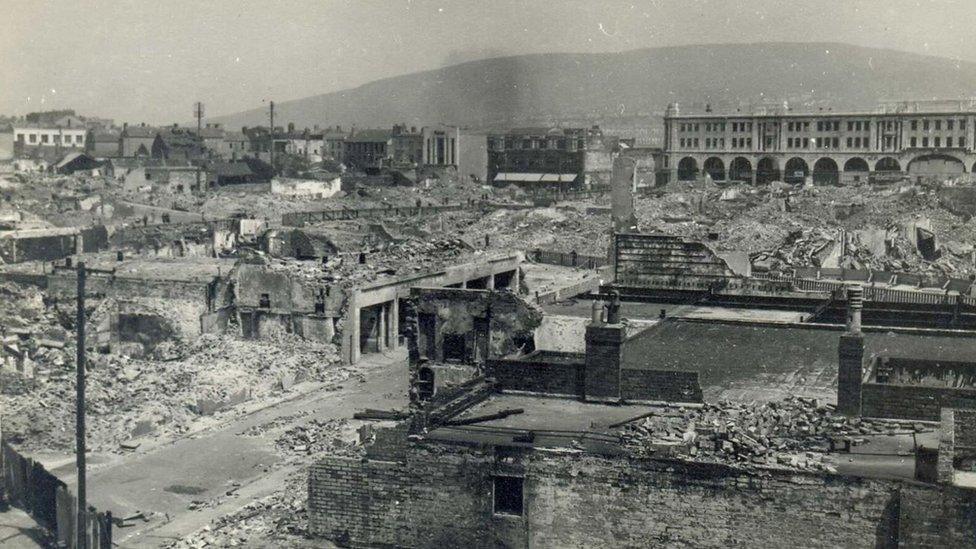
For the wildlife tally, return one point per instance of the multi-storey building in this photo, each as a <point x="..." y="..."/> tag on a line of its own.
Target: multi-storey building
<point x="919" y="138"/>
<point x="31" y="137"/>
<point x="540" y="157"/>
<point x="439" y="145"/>
<point x="367" y="149"/>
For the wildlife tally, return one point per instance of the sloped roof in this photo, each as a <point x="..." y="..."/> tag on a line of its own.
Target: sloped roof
<point x="105" y="137"/>
<point x="68" y="158"/>
<point x="232" y="169"/>
<point x="139" y="131"/>
<point x="212" y="133"/>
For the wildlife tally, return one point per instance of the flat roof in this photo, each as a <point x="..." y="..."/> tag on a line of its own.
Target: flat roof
<point x="556" y="422"/>
<point x="766" y="362"/>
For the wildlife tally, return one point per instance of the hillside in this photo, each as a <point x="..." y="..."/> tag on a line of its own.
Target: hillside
<point x="600" y="87"/>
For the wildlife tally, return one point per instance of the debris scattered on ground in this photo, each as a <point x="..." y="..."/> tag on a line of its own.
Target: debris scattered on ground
<point x="795" y="432"/>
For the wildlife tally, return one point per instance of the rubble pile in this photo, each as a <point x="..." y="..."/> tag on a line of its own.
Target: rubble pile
<point x="398" y="259"/>
<point x="795" y="432"/>
<point x="134" y="398"/>
<point x="279" y="520"/>
<point x="317" y="437"/>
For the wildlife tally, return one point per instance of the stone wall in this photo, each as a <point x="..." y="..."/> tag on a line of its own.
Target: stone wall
<point x="660" y="385"/>
<point x="912" y="401"/>
<point x="442" y="495"/>
<point x="937" y="517"/>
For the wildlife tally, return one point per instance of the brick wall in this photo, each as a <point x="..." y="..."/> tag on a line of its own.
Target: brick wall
<point x="665" y="385"/>
<point x="964" y="427"/>
<point x="540" y="374"/>
<point x="937" y="517"/>
<point x="441" y="495"/>
<point x="441" y="500"/>
<point x="912" y="401"/>
<point x="604" y="349"/>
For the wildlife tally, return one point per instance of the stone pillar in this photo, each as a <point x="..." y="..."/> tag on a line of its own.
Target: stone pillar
<point x="381" y="328"/>
<point x="350" y="330"/>
<point x="395" y="323"/>
<point x="490" y="282"/>
<point x="514" y="285"/>
<point x="851" y="357"/>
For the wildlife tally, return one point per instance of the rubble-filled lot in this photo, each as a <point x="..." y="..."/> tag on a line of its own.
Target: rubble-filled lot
<point x="130" y="400"/>
<point x="795" y="432"/>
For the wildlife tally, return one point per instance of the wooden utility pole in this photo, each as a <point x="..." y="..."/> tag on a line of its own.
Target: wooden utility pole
<point x="81" y="522"/>
<point x="198" y="112"/>
<point x="271" y="136"/>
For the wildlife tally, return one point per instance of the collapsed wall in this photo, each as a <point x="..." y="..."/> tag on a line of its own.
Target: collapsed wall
<point x="645" y="260"/>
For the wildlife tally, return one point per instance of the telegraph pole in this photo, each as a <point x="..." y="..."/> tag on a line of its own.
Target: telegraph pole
<point x="198" y="112"/>
<point x="271" y="136"/>
<point x="81" y="523"/>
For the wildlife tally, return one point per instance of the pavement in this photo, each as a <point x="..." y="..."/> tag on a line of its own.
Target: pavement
<point x="19" y="531"/>
<point x="223" y="467"/>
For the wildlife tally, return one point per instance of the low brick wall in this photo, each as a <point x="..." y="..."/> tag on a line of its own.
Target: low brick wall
<point x="441" y="495"/>
<point x="549" y="372"/>
<point x="912" y="401"/>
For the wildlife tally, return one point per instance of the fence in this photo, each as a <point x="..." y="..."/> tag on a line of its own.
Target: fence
<point x="585" y="286"/>
<point x="568" y="195"/>
<point x="298" y="219"/>
<point x="881" y="295"/>
<point x="571" y="259"/>
<point x="961" y="285"/>
<point x="30" y="486"/>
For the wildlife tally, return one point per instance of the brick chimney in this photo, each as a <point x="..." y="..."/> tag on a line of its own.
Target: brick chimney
<point x="604" y="350"/>
<point x="850" y="364"/>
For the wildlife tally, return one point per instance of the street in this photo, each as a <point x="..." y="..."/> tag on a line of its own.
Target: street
<point x="163" y="482"/>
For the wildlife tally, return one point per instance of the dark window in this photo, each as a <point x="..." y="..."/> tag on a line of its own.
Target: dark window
<point x="508" y="495"/>
<point x="962" y="141"/>
<point x="925" y="141"/>
<point x="938" y="124"/>
<point x="454" y="347"/>
<point x="949" y="124"/>
<point x="914" y="124"/>
<point x="948" y="141"/>
<point x="265" y="301"/>
<point x="914" y="142"/>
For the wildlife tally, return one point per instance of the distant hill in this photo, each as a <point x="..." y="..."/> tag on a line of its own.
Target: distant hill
<point x="511" y="91"/>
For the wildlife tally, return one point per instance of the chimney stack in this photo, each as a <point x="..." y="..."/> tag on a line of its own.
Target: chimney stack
<point x="850" y="356"/>
<point x="855" y="302"/>
<point x="604" y="354"/>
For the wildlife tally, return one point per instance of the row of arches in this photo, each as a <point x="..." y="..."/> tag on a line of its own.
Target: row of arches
<point x="825" y="170"/>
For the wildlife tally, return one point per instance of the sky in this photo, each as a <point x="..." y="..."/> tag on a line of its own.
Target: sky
<point x="150" y="60"/>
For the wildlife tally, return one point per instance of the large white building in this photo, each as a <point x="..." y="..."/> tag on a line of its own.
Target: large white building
<point x="918" y="138"/>
<point x="27" y="136"/>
